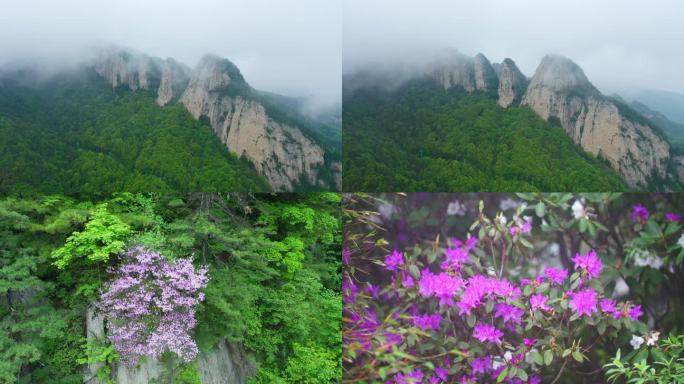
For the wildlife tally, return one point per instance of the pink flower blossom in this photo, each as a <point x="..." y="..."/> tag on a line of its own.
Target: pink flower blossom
<point x="346" y="256"/>
<point x="556" y="276"/>
<point x="672" y="217"/>
<point x="393" y="260"/>
<point x="426" y="322"/>
<point x="529" y="342"/>
<point x="406" y="280"/>
<point x="151" y="306"/>
<point x="509" y="312"/>
<point x="443" y="286"/>
<point x="635" y="312"/>
<point x="583" y="302"/>
<point x="590" y="263"/>
<point x="640" y="214"/>
<point x="538" y="301"/>
<point x="487" y="333"/>
<point x="481" y="365"/>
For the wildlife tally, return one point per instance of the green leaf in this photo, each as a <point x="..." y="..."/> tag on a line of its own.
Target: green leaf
<point x="502" y="375"/>
<point x="548" y="357"/>
<point x="522" y="375"/>
<point x="641" y="356"/>
<point x="470" y="320"/>
<point x="537" y="357"/>
<point x="540" y="209"/>
<point x="577" y="356"/>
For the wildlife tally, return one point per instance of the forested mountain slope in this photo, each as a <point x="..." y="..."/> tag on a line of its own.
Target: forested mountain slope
<point x="559" y="94"/>
<point x="420" y="138"/>
<point x="269" y="311"/>
<point x="125" y="121"/>
<point x="74" y="134"/>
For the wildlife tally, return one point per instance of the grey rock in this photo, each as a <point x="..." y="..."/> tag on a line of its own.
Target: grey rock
<point x="559" y="89"/>
<point x="512" y="83"/>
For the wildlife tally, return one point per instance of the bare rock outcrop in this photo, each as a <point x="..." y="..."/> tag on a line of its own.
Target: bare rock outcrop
<point x="512" y="83"/>
<point x="127" y="68"/>
<point x="174" y="79"/>
<point x="226" y="363"/>
<point x="280" y="152"/>
<point x="560" y="90"/>
<point x="454" y="70"/>
<point x="485" y="76"/>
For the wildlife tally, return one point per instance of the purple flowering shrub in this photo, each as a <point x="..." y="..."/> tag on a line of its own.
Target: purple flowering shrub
<point x="474" y="309"/>
<point x="150" y="305"/>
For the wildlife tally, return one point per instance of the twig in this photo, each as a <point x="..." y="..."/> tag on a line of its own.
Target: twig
<point x="561" y="371"/>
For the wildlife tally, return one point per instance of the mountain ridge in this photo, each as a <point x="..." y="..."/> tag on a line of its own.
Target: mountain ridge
<point x="281" y="148"/>
<point x="559" y="91"/>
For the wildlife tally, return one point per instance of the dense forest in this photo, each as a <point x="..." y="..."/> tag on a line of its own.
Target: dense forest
<point x="74" y="134"/>
<point x="420" y="138"/>
<point x="272" y="284"/>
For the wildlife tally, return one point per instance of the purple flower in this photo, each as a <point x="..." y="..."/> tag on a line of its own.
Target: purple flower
<point x="589" y="263"/>
<point x="640" y="214"/>
<point x="393" y="260"/>
<point x="487" y="333"/>
<point x="556" y="276"/>
<point x="406" y="280"/>
<point x="413" y="377"/>
<point x="635" y="312"/>
<point x="457" y="254"/>
<point x="538" y="301"/>
<point x="534" y="379"/>
<point x="583" y="302"/>
<point x="509" y="312"/>
<point x="607" y="305"/>
<point x="442" y="373"/>
<point x="346" y="256"/>
<point x="481" y="365"/>
<point x="373" y="290"/>
<point x="672" y="217"/>
<point x="443" y="286"/>
<point x="426" y="322"/>
<point x="151" y="306"/>
<point x="349" y="290"/>
<point x="529" y="342"/>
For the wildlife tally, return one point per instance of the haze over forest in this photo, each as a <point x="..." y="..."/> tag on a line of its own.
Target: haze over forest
<point x="290" y="48"/>
<point x="621" y="45"/>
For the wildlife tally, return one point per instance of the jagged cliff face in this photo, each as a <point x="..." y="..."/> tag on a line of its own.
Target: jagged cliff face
<point x="512" y="83"/>
<point x="278" y="151"/>
<point x="559" y="89"/>
<point x="216" y="90"/>
<point x="224" y="364"/>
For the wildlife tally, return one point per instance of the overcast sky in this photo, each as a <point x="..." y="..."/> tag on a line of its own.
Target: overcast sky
<point x="620" y="44"/>
<point x="286" y="46"/>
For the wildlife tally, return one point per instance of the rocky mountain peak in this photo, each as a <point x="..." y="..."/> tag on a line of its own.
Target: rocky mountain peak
<point x="512" y="83"/>
<point x="454" y="69"/>
<point x="174" y="79"/>
<point x="560" y="90"/>
<point x="561" y="74"/>
<point x="485" y="76"/>
<point x="124" y="67"/>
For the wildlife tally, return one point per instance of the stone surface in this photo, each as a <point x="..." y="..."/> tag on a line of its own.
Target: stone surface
<point x="560" y="90"/>
<point x="454" y="70"/>
<point x="279" y="152"/>
<point x="512" y="83"/>
<point x="174" y="79"/>
<point x="485" y="76"/>
<point x="226" y="364"/>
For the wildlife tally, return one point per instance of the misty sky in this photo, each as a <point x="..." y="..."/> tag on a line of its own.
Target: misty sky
<point x="287" y="46"/>
<point x="620" y="44"/>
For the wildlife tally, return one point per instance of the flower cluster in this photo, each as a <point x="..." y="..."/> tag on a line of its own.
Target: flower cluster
<point x="457" y="298"/>
<point x="151" y="305"/>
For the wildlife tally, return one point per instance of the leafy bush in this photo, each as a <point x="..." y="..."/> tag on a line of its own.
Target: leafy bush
<point x="505" y="300"/>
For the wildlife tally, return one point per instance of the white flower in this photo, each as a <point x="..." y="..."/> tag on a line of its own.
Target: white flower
<point x="681" y="241"/>
<point x="508" y="356"/>
<point x="643" y="258"/>
<point x="503" y="220"/>
<point x="455" y="208"/>
<point x="507" y="204"/>
<point x="387" y="210"/>
<point x="578" y="210"/>
<point x="636" y="341"/>
<point x="652" y="338"/>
